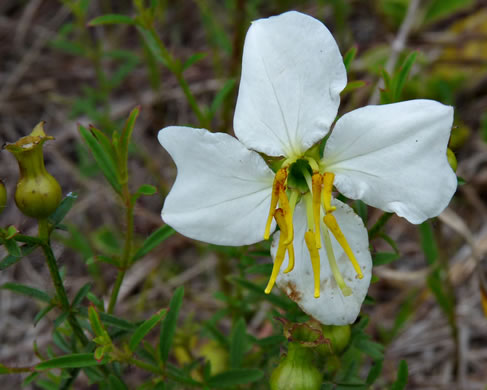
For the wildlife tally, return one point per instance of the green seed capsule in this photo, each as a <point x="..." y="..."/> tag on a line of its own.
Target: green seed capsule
<point x="38" y="194"/>
<point x="296" y="371"/>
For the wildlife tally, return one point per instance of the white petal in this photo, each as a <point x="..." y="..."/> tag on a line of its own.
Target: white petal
<point x="222" y="190"/>
<point x="394" y="157"/>
<point x="292" y="76"/>
<point x="332" y="307"/>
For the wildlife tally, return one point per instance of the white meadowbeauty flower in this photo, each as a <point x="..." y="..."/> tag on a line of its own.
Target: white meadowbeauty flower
<point x="391" y="156"/>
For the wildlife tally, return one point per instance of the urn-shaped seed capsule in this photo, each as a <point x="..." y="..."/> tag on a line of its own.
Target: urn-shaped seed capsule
<point x="37" y="194"/>
<point x="296" y="371"/>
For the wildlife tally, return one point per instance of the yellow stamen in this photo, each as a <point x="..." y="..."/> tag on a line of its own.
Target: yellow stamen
<point x="277" y="187"/>
<point x="290" y="251"/>
<point x="317" y="181"/>
<point x="288" y="216"/>
<point x="309" y="238"/>
<point x="332" y="224"/>
<point x="346" y="291"/>
<point x="281" y="250"/>
<point x="328" y="178"/>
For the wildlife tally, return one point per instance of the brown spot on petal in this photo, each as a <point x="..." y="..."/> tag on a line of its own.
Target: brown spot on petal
<point x="292" y="292"/>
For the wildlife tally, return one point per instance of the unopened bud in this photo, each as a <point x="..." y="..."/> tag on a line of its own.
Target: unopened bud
<point x="452" y="159"/>
<point x="38" y="194"/>
<point x="339" y="337"/>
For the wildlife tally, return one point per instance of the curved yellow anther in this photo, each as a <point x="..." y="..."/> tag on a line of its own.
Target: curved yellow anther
<point x="309" y="238"/>
<point x="288" y="216"/>
<point x="332" y="224"/>
<point x="278" y="186"/>
<point x="281" y="250"/>
<point x="328" y="178"/>
<point x="317" y="181"/>
<point x="290" y="252"/>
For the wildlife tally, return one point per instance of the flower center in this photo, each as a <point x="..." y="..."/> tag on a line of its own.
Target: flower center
<point x="302" y="179"/>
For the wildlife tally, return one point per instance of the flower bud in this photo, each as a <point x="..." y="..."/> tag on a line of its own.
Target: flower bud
<point x="38" y="194"/>
<point x="452" y="159"/>
<point x="339" y="337"/>
<point x="296" y="370"/>
<point x="3" y="196"/>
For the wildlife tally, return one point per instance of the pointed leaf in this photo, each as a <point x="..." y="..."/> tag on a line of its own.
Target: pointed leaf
<point x="74" y="360"/>
<point x="169" y="324"/>
<point x="145" y="328"/>
<point x="103" y="158"/>
<point x="63" y="208"/>
<point x="235" y="377"/>
<point x="27" y="290"/>
<point x="111" y="19"/>
<point x="156" y="238"/>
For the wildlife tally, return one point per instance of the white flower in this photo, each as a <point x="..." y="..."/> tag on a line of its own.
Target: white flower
<point x="392" y="157"/>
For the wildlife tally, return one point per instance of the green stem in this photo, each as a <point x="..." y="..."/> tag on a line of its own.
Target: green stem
<point x="175" y="68"/>
<point x="377" y="228"/>
<point x="127" y="250"/>
<point x="61" y="292"/>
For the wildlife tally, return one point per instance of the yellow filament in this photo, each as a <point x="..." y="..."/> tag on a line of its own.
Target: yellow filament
<point x="277" y="187"/>
<point x="290" y="252"/>
<point x="309" y="238"/>
<point x="288" y="216"/>
<point x="332" y="224"/>
<point x="281" y="250"/>
<point x="328" y="178"/>
<point x="346" y="290"/>
<point x="317" y="181"/>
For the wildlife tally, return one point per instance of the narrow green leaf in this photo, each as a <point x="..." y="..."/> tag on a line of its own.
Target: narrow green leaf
<point x="12" y="248"/>
<point x="217" y="335"/>
<point x="103" y="158"/>
<point x="116" y="383"/>
<point x="156" y="238"/>
<point x="27" y="290"/>
<point x="74" y="360"/>
<point x="39" y="316"/>
<point x="238" y="341"/>
<point x="374" y="372"/>
<point x="125" y="140"/>
<point x="402" y="75"/>
<point x="235" y="377"/>
<point x="352" y="86"/>
<point x="145" y="328"/>
<point x="60" y="319"/>
<point x="193" y="60"/>
<point x="30" y="378"/>
<point x="111" y="19"/>
<point x="11" y="232"/>
<point x="402" y="376"/>
<point x="428" y="242"/>
<point x="221" y="96"/>
<point x="146" y="190"/>
<point x="382" y="258"/>
<point x="349" y="57"/>
<point x="81" y="294"/>
<point x="281" y="302"/>
<point x="169" y="324"/>
<point x="10" y="260"/>
<point x="157" y="51"/>
<point x="95" y="321"/>
<point x="66" y="204"/>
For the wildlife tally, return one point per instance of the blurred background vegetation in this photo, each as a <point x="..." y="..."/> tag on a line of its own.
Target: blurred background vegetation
<point x="425" y="304"/>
